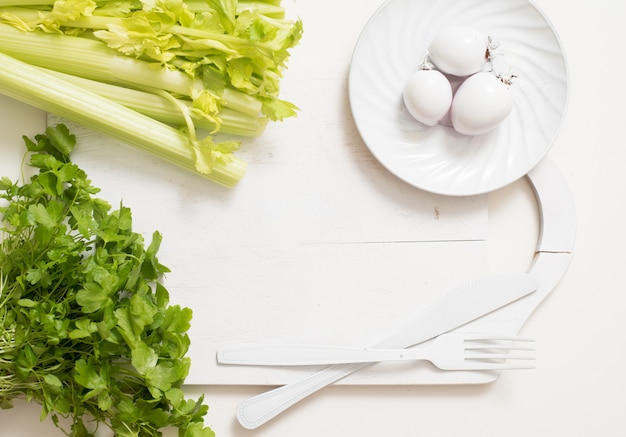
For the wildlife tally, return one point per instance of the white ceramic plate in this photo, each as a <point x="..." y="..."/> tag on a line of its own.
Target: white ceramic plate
<point x="437" y="159"/>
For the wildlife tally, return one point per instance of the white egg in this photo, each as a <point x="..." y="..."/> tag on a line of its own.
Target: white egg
<point x="459" y="50"/>
<point x="428" y="96"/>
<point x="480" y="104"/>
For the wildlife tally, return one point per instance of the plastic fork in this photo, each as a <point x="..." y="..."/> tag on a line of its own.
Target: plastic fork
<point x="451" y="351"/>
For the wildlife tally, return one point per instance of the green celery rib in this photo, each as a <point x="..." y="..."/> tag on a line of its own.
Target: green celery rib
<point x="162" y="109"/>
<point x="30" y="14"/>
<point x="267" y="8"/>
<point x="92" y="59"/>
<point x="35" y="87"/>
<point x="269" y="2"/>
<point x="88" y="58"/>
<point x="26" y="2"/>
<point x="241" y="3"/>
<point x="25" y="14"/>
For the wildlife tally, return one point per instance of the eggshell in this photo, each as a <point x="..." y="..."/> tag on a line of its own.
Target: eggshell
<point x="459" y="50"/>
<point x="480" y="104"/>
<point x="427" y="96"/>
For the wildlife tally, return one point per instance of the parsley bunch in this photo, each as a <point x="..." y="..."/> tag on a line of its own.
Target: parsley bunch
<point x="86" y="327"/>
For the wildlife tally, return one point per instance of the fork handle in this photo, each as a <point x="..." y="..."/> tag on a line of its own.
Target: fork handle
<point x="310" y="355"/>
<point x="260" y="409"/>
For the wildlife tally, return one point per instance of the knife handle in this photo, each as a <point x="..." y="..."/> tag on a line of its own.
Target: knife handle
<point x="260" y="409"/>
<point x="498" y="291"/>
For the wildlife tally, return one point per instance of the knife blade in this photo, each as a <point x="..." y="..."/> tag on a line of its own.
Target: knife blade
<point x="468" y="302"/>
<point x="458" y="307"/>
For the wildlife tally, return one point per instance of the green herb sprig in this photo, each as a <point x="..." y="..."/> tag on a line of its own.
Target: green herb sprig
<point x="86" y="327"/>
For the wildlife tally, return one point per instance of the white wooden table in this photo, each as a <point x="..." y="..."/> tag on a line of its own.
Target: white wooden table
<point x="357" y="216"/>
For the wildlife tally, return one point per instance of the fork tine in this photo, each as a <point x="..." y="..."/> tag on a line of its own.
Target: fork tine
<point x="488" y="356"/>
<point x="496" y="366"/>
<point x="489" y="337"/>
<point x="495" y="352"/>
<point x="496" y="342"/>
<point x="492" y="346"/>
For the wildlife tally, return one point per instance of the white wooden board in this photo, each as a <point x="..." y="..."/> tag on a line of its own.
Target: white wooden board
<point x="317" y="243"/>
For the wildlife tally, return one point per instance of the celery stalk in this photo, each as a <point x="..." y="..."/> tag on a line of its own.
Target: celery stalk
<point x="35" y="87"/>
<point x="214" y="67"/>
<point x="268" y="9"/>
<point x="26" y="2"/>
<point x="92" y="59"/>
<point x="88" y="58"/>
<point x="269" y="2"/>
<point x="31" y="15"/>
<point x="162" y="109"/>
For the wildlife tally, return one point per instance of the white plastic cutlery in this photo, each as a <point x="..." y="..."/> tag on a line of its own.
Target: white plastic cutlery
<point x="460" y="306"/>
<point x="552" y="259"/>
<point x="451" y="351"/>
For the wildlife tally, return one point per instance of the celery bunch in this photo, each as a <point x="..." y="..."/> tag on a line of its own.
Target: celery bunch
<point x="167" y="76"/>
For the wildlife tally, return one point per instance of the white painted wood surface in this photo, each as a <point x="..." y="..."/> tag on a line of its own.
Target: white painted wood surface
<point x="571" y="392"/>
<point x="317" y="243"/>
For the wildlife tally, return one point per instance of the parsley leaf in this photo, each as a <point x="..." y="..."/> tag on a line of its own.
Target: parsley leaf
<point x="88" y="330"/>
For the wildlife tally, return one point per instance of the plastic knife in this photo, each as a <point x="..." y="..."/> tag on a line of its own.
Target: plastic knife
<point x="458" y="307"/>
